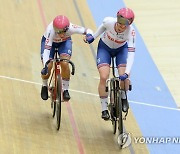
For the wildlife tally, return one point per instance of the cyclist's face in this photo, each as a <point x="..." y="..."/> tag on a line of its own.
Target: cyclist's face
<point x="120" y="27"/>
<point x="61" y="34"/>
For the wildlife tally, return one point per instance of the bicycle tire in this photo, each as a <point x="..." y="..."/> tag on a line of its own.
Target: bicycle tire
<point x="53" y="106"/>
<point x="116" y="103"/>
<point x="53" y="102"/>
<point x="52" y="95"/>
<point x="120" y="118"/>
<point x="58" y="101"/>
<point x="112" y="104"/>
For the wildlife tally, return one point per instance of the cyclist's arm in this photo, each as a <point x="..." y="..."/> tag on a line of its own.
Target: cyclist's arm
<point x="48" y="44"/>
<point x="131" y="50"/>
<point x="130" y="61"/>
<point x="76" y="29"/>
<point x="103" y="27"/>
<point x="99" y="31"/>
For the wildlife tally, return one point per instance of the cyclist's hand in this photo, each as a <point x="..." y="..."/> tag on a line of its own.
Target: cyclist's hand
<point x="44" y="71"/>
<point x="89" y="38"/>
<point x="123" y="77"/>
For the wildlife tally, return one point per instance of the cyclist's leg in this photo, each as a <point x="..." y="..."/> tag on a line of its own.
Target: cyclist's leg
<point x="103" y="65"/>
<point x="45" y="55"/>
<point x="65" y="52"/>
<point x="121" y="61"/>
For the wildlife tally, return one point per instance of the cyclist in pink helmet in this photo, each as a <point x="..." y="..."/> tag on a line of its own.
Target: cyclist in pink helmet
<point x="125" y="16"/>
<point x="117" y="40"/>
<point x="61" y="24"/>
<point x="58" y="35"/>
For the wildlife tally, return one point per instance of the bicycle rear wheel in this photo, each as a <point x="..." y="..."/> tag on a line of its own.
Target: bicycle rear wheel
<point x="112" y="106"/>
<point x="58" y="101"/>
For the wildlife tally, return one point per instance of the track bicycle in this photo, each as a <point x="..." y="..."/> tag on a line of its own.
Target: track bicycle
<point x="115" y="103"/>
<point x="55" y="86"/>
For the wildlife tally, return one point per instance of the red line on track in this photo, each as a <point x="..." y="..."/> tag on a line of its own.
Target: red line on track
<point x="42" y="13"/>
<point x="75" y="130"/>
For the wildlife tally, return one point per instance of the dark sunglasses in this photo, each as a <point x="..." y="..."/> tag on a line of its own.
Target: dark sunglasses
<point x="123" y="21"/>
<point x="60" y="31"/>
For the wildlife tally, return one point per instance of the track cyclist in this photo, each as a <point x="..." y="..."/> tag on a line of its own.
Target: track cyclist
<point x="58" y="35"/>
<point x="117" y="40"/>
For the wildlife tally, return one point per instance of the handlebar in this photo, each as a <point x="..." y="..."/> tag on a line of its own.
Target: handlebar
<point x="108" y="80"/>
<point x="68" y="61"/>
<point x="62" y="60"/>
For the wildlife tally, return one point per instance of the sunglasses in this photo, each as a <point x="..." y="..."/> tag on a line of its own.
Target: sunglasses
<point x="123" y="21"/>
<point x="60" y="31"/>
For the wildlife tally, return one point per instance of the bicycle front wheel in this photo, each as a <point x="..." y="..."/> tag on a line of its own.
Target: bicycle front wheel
<point x="58" y="101"/>
<point x="53" y="107"/>
<point x="112" y="106"/>
<point x="120" y="118"/>
<point x="53" y="101"/>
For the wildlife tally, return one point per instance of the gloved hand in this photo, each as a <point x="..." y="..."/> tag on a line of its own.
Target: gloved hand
<point x="89" y="38"/>
<point x="44" y="71"/>
<point x="123" y="77"/>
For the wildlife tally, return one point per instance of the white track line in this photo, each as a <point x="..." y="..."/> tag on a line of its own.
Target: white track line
<point x="82" y="92"/>
<point x="15" y="79"/>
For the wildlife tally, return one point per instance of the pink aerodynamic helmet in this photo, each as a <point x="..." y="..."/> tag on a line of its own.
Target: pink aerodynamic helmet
<point x="125" y="16"/>
<point x="61" y="24"/>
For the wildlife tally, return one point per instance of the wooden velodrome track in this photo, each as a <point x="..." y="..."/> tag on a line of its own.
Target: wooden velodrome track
<point x="153" y="20"/>
<point x="26" y="123"/>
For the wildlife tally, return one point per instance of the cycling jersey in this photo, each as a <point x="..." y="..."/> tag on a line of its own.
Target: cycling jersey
<point x="114" y="41"/>
<point x="51" y="36"/>
<point x="51" y="40"/>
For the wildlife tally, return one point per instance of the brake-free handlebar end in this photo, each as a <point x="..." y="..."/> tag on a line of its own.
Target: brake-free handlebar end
<point x="72" y="72"/>
<point x="106" y="89"/>
<point x="130" y="87"/>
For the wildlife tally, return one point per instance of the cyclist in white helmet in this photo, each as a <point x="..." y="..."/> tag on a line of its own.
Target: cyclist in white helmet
<point x="58" y="35"/>
<point x="117" y="40"/>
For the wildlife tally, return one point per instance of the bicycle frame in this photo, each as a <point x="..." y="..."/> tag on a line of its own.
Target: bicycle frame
<point x="115" y="105"/>
<point x="56" y="82"/>
<point x="56" y="71"/>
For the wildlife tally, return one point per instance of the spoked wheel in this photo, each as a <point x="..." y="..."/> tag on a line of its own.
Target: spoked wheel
<point x="112" y="108"/>
<point x="58" y="101"/>
<point x="114" y="123"/>
<point x="53" y="102"/>
<point x="53" y="107"/>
